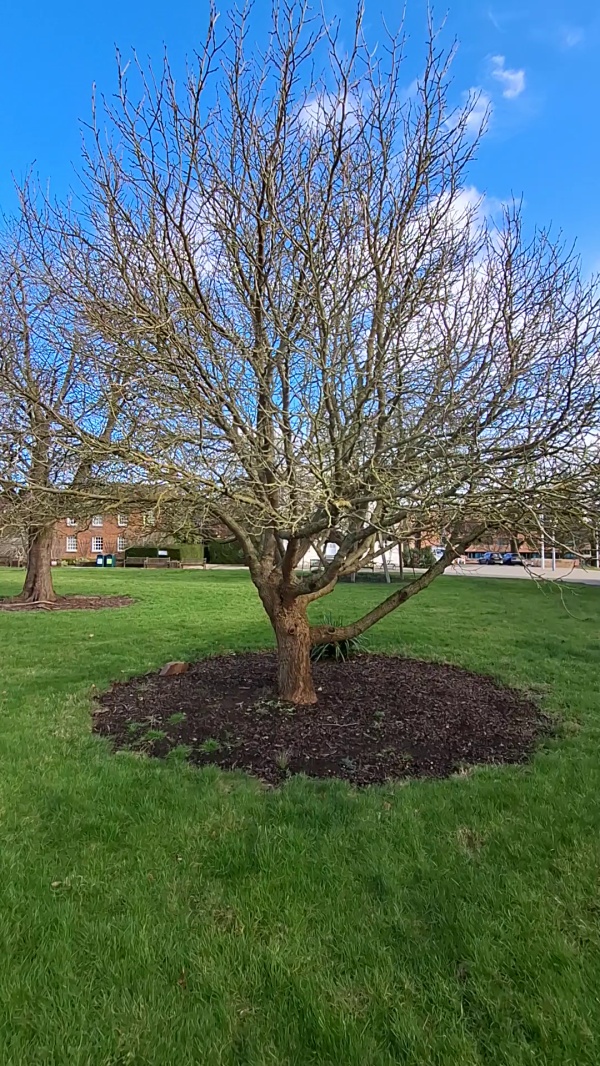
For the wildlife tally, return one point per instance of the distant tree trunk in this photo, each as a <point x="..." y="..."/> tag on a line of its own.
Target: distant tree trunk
<point x="294" y="679"/>
<point x="594" y="546"/>
<point x="38" y="586"/>
<point x="385" y="566"/>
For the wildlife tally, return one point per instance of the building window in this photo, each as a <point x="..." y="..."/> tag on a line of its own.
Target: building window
<point x="71" y="544"/>
<point x="71" y="522"/>
<point x="149" y="519"/>
<point x="121" y="519"/>
<point x="97" y="520"/>
<point x="121" y="545"/>
<point x="97" y="544"/>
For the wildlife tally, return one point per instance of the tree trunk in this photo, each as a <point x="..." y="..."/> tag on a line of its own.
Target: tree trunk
<point x="38" y="579"/>
<point x="594" y="548"/>
<point x="385" y="565"/>
<point x="295" y="680"/>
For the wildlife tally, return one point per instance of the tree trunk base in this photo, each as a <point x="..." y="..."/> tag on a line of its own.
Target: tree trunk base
<point x="38" y="587"/>
<point x="294" y="679"/>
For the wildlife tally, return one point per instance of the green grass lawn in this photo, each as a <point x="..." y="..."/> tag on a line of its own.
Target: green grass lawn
<point x="156" y="915"/>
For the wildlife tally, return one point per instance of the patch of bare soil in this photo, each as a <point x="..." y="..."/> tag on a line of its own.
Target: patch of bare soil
<point x="379" y="717"/>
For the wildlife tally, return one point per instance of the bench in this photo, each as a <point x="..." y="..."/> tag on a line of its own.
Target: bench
<point x="162" y="564"/>
<point x="316" y="564"/>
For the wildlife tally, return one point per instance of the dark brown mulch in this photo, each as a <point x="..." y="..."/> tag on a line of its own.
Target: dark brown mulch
<point x="68" y="603"/>
<point x="378" y="717"/>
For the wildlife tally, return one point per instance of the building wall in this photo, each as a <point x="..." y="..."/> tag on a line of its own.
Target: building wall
<point x="83" y="539"/>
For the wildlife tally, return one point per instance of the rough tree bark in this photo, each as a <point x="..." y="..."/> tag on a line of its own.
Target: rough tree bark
<point x="294" y="676"/>
<point x="38" y="587"/>
<point x="289" y="618"/>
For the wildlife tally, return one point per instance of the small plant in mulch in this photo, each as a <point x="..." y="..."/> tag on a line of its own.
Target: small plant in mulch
<point x="180" y="753"/>
<point x="273" y="706"/>
<point x="154" y="734"/>
<point x="338" y="650"/>
<point x="210" y="745"/>
<point x="177" y="718"/>
<point x="282" y="761"/>
<point x="378" y="718"/>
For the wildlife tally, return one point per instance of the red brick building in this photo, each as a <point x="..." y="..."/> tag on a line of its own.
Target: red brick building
<point x="78" y="539"/>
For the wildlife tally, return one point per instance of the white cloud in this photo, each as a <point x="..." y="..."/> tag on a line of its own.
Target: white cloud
<point x="325" y="110"/>
<point x="512" y="81"/>
<point x="471" y="209"/>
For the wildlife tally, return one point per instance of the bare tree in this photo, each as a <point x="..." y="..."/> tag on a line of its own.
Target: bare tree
<point x="330" y="342"/>
<point x="50" y="391"/>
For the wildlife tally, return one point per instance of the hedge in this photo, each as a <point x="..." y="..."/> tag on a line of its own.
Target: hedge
<point x="219" y="551"/>
<point x="191" y="553"/>
<point x="225" y="551"/>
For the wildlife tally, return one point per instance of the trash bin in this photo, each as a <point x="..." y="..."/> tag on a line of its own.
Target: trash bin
<point x="109" y="560"/>
<point x="99" y="560"/>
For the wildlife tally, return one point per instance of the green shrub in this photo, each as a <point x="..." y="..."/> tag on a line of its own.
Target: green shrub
<point x="191" y="553"/>
<point x="340" y="650"/>
<point x="220" y="551"/>
<point x="225" y="551"/>
<point x="423" y="557"/>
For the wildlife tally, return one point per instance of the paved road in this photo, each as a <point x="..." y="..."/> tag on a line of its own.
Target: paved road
<point x="563" y="574"/>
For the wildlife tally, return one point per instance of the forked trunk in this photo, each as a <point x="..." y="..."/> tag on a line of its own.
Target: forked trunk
<point x="38" y="579"/>
<point x="295" y="680"/>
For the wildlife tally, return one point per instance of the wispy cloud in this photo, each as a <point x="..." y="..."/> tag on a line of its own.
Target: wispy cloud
<point x="493" y="19"/>
<point x="512" y="81"/>
<point x="571" y="36"/>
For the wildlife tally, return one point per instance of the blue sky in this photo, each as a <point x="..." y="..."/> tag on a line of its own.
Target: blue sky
<point x="534" y="61"/>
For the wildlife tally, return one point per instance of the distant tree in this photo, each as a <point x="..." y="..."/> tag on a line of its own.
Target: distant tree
<point x="330" y="342"/>
<point x="50" y="391"/>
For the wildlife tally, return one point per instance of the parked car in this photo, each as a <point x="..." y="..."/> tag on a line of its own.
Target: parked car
<point x="491" y="558"/>
<point x="512" y="559"/>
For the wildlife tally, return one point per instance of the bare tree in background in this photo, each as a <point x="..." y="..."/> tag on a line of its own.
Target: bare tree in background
<point x="50" y="392"/>
<point x="329" y="342"/>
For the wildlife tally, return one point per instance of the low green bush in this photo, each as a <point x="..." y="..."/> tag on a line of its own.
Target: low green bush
<point x="225" y="551"/>
<point x="340" y="650"/>
<point x="423" y="557"/>
<point x="191" y="553"/>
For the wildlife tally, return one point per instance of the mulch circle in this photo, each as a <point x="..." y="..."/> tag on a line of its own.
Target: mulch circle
<point x="68" y="603"/>
<point x="379" y="717"/>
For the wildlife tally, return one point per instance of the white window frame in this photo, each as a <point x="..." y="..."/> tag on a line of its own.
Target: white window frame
<point x="71" y="522"/>
<point x="121" y="544"/>
<point x="97" y="521"/>
<point x="71" y="544"/>
<point x="122" y="520"/>
<point x="97" y="544"/>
